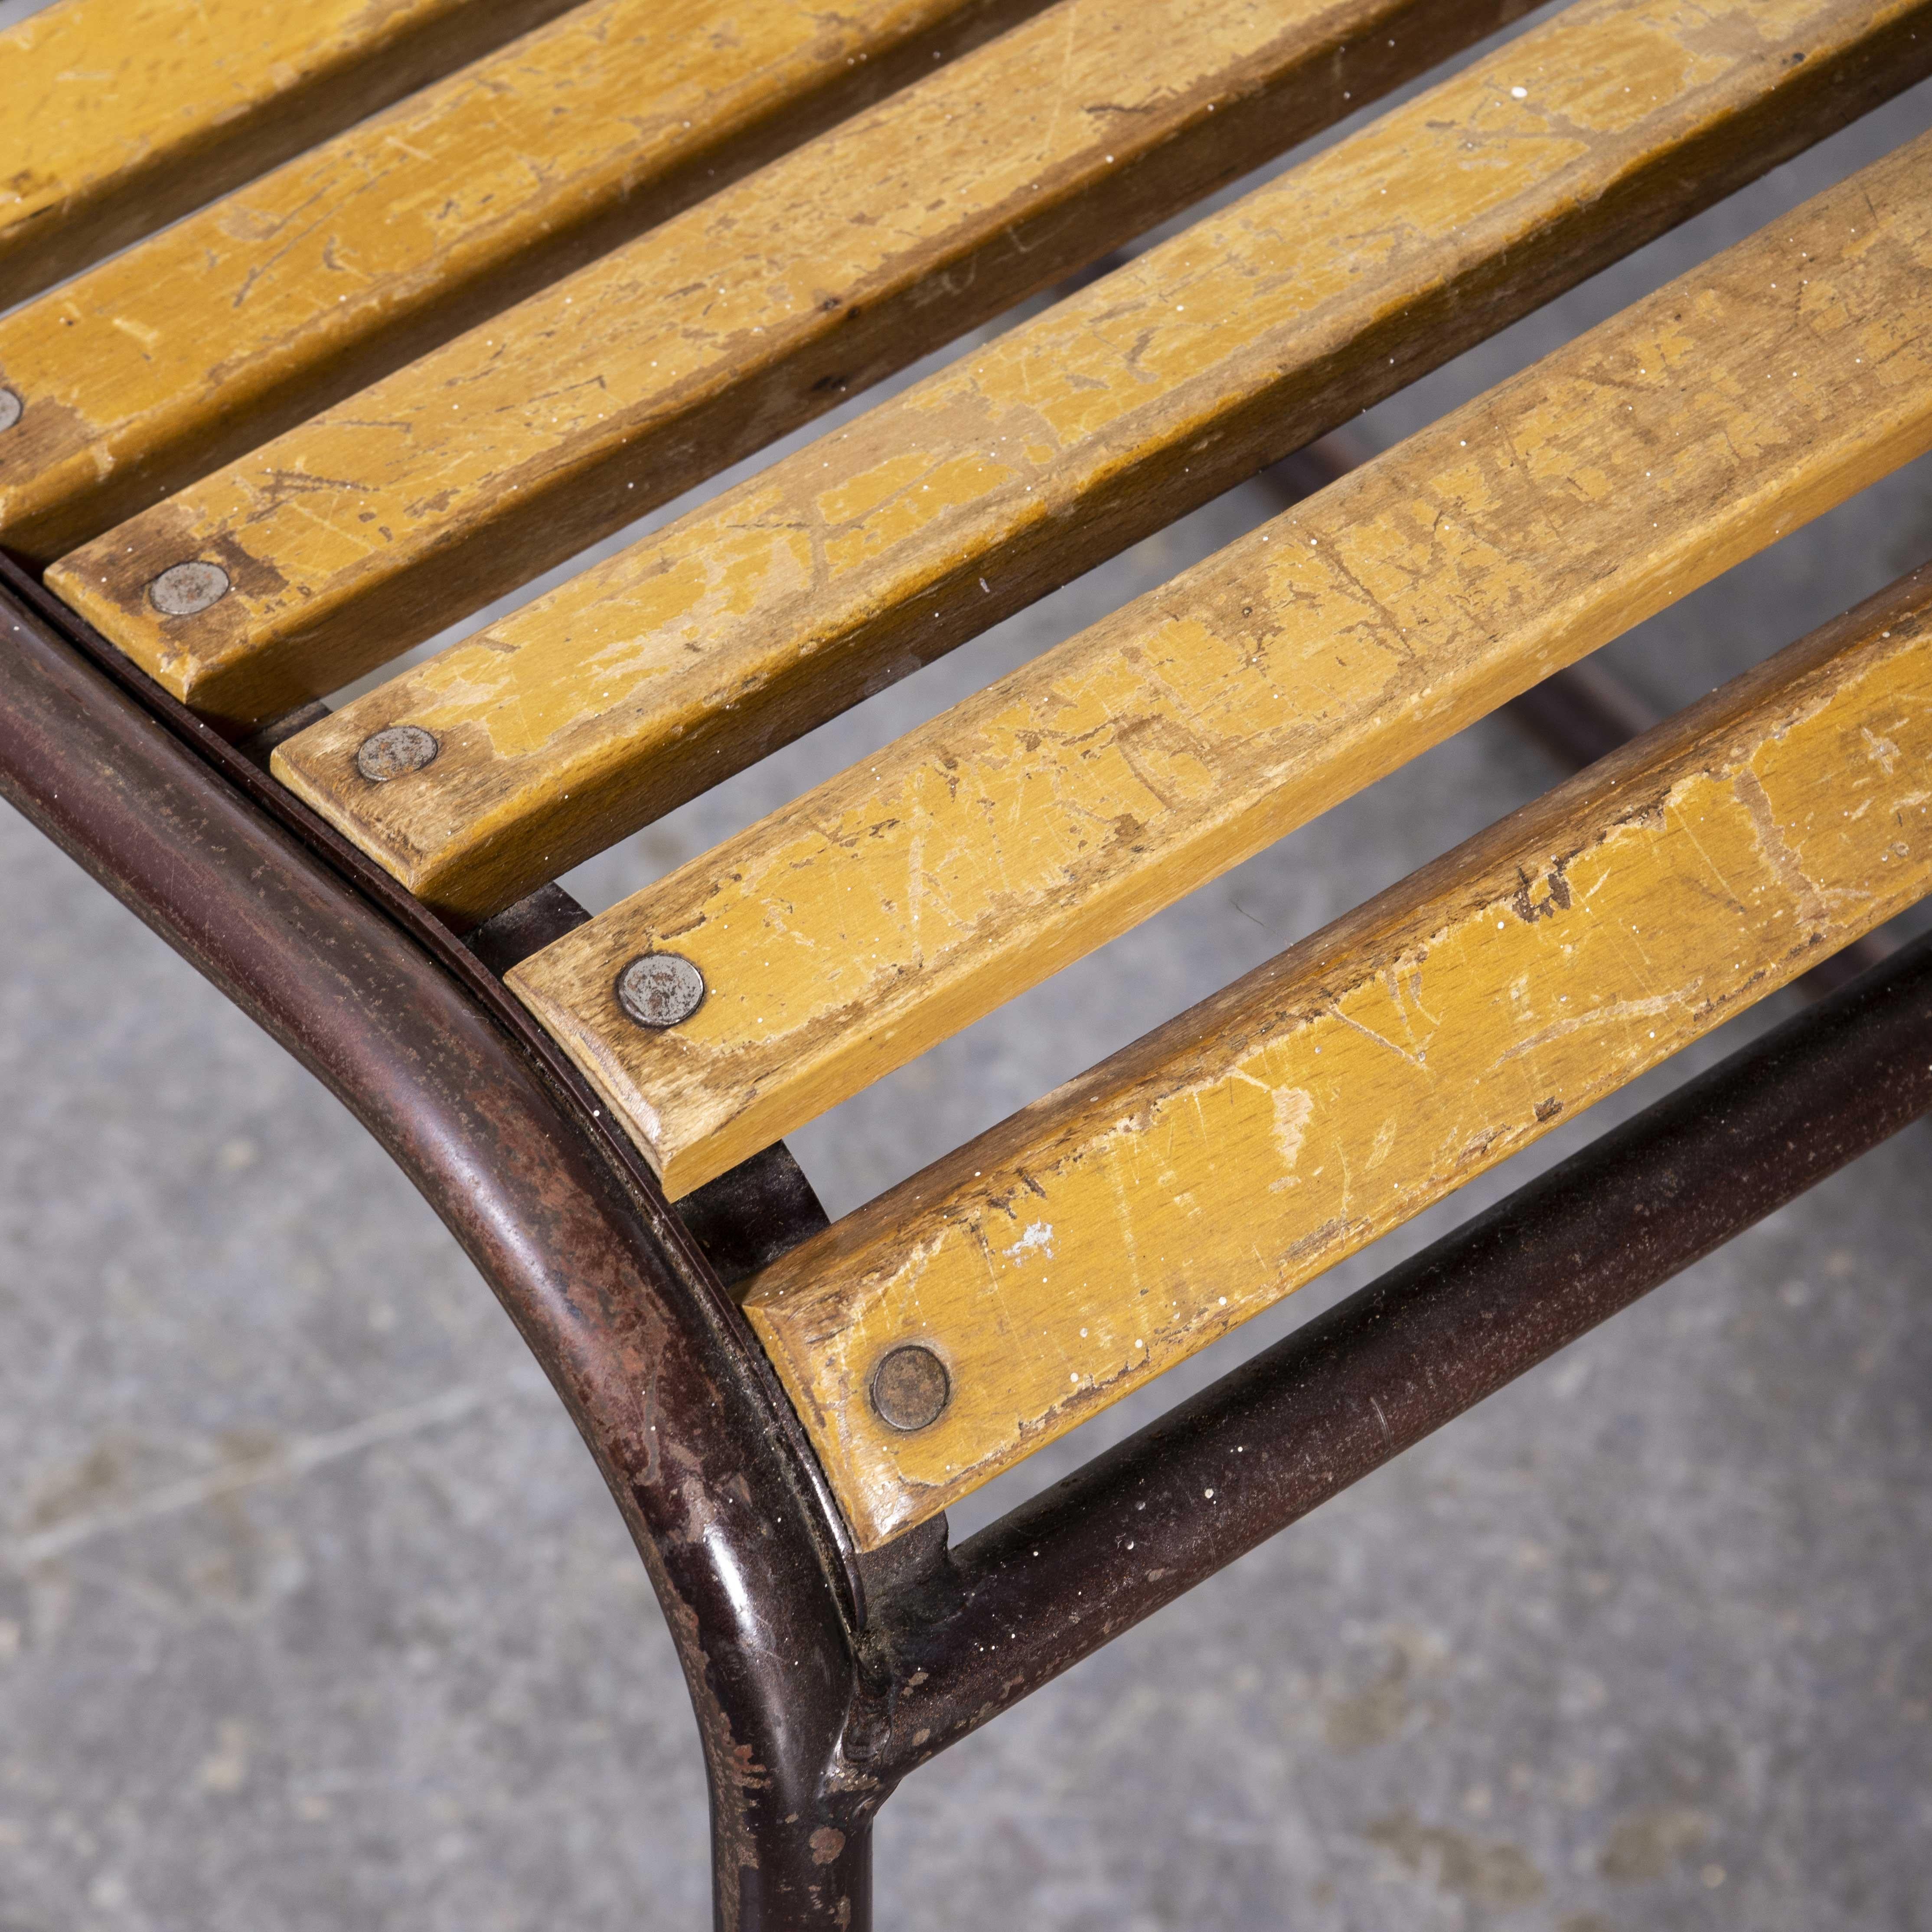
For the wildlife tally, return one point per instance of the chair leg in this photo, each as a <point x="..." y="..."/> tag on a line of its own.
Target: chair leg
<point x="808" y="1875"/>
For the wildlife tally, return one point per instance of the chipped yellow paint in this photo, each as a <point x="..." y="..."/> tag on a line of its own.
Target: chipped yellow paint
<point x="116" y="115"/>
<point x="651" y="677"/>
<point x="900" y="901"/>
<point x="1106" y="1232"/>
<point x="206" y="341"/>
<point x="399" y="509"/>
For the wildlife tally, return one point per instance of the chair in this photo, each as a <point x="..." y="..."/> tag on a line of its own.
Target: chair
<point x="402" y="364"/>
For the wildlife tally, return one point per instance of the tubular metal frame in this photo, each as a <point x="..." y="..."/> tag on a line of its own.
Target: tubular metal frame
<point x="820" y="1677"/>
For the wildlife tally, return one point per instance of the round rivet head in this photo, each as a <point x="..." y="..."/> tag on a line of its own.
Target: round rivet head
<point x="910" y="1387"/>
<point x="10" y="407"/>
<point x="659" y="989"/>
<point x="387" y="755"/>
<point x="184" y="589"/>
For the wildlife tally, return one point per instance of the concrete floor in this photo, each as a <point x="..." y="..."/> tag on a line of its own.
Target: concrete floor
<point x="314" y="1616"/>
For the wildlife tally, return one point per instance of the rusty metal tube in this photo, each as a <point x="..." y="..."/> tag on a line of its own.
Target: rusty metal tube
<point x="637" y="1343"/>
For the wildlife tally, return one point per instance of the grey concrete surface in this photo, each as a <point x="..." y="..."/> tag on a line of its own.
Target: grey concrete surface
<point x="314" y="1614"/>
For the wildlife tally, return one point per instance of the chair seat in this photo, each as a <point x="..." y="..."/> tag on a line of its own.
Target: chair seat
<point x="268" y="450"/>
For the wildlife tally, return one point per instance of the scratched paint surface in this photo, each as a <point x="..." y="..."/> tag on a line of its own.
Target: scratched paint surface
<point x="131" y="375"/>
<point x="630" y="689"/>
<point x="899" y="901"/>
<point x="501" y="429"/>
<point x="1101" y="1235"/>
<point x="99" y="84"/>
<point x="97" y="94"/>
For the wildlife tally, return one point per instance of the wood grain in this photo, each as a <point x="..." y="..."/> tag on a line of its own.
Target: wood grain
<point x="1108" y="1232"/>
<point x="650" y="677"/>
<point x="206" y="340"/>
<point x="117" y="115"/>
<point x="409" y="504"/>
<point x="902" y="901"/>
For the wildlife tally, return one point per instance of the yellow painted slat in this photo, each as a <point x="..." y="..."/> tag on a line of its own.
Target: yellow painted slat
<point x="650" y="677"/>
<point x="206" y="340"/>
<point x="508" y="449"/>
<point x="895" y="905"/>
<point x="1106" y="1232"/>
<point x="116" y="115"/>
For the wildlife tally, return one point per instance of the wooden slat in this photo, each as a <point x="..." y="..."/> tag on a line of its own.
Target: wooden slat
<point x="510" y="448"/>
<point x="206" y="340"/>
<point x="1032" y="823"/>
<point x="650" y="677"/>
<point x="1108" y="1232"/>
<point x="116" y="115"/>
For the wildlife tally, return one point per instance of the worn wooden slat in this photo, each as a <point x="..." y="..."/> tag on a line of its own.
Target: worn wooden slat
<point x="511" y="448"/>
<point x="895" y="905"/>
<point x="649" y="678"/>
<point x="206" y="340"/>
<point x="116" y="115"/>
<point x="1110" y="1230"/>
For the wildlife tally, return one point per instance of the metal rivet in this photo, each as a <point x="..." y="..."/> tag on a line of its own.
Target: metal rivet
<point x="659" y="989"/>
<point x="389" y="753"/>
<point x="10" y="407"/>
<point x="184" y="589"/>
<point x="910" y="1387"/>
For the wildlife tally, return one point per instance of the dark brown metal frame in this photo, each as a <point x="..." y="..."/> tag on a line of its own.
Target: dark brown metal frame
<point x="820" y="1677"/>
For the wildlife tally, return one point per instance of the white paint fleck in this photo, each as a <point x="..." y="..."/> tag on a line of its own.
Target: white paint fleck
<point x="1039" y="1234"/>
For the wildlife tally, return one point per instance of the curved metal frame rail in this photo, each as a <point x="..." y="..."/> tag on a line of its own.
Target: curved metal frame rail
<point x="821" y="1678"/>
